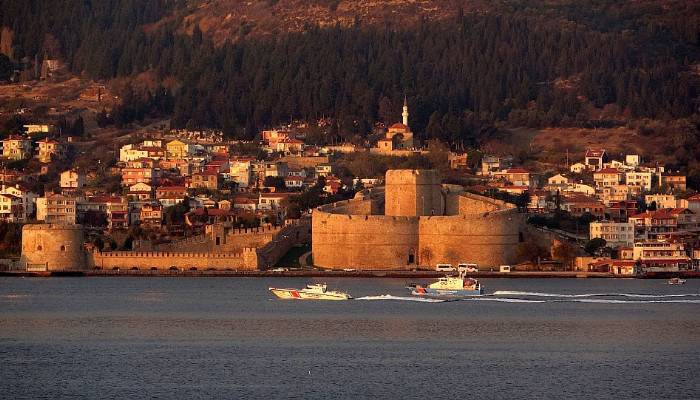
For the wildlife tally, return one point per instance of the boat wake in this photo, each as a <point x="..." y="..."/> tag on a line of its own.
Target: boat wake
<point x="585" y="295"/>
<point x="402" y="298"/>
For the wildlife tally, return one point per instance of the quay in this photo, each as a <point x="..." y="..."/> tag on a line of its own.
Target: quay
<point x="316" y="273"/>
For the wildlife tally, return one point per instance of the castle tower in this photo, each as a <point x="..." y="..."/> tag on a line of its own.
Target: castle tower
<point x="53" y="247"/>
<point x="405" y="111"/>
<point x="413" y="193"/>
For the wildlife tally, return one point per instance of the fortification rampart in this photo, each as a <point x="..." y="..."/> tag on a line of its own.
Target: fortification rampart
<point x="126" y="260"/>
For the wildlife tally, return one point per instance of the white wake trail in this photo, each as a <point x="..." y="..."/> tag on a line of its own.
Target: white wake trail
<point x="402" y="298"/>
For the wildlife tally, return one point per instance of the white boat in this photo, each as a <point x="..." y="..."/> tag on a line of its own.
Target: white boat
<point x="676" y="281"/>
<point x="313" y="291"/>
<point x="450" y="286"/>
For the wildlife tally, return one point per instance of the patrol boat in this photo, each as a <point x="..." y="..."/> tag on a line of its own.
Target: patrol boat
<point x="313" y="291"/>
<point x="450" y="286"/>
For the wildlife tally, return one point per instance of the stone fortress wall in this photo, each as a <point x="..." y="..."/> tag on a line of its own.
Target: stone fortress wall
<point x="49" y="247"/>
<point x="430" y="224"/>
<point x="53" y="247"/>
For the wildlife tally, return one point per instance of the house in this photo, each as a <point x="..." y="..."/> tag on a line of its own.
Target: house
<point x="294" y="182"/>
<point x="27" y="197"/>
<point x="240" y="171"/>
<point x="205" y="180"/>
<point x="615" y="234"/>
<point x="539" y="201"/>
<point x="614" y="193"/>
<point x="245" y="203"/>
<point x="10" y="177"/>
<point x="11" y="208"/>
<point x="178" y="149"/>
<point x="659" y="256"/>
<point x="16" y="147"/>
<point x="458" y="160"/>
<point x="665" y="223"/>
<point x="33" y="129"/>
<point x="151" y="215"/>
<point x="50" y="150"/>
<point x="578" y="168"/>
<point x="277" y="169"/>
<point x="642" y="179"/>
<point x="674" y="182"/>
<point x="659" y="201"/>
<point x="693" y="203"/>
<point x="595" y="158"/>
<point x="491" y="164"/>
<point x="579" y="205"/>
<point x="130" y="152"/>
<point x="607" y="177"/>
<point x="72" y="179"/>
<point x="516" y="176"/>
<point x="272" y="137"/>
<point x="271" y="201"/>
<point x="140" y="192"/>
<point x="580" y="188"/>
<point x="558" y="179"/>
<point x="132" y="176"/>
<point x="171" y="195"/>
<point x="56" y="209"/>
<point x="290" y="146"/>
<point x="633" y="160"/>
<point x="621" y="210"/>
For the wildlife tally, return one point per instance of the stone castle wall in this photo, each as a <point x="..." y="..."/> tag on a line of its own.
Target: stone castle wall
<point x="482" y="231"/>
<point x="126" y="260"/>
<point x="53" y="247"/>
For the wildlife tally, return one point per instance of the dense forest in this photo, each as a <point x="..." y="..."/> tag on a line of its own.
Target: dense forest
<point x="461" y="75"/>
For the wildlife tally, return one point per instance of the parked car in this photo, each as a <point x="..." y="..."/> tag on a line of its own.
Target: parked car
<point x="464" y="267"/>
<point x="445" y="268"/>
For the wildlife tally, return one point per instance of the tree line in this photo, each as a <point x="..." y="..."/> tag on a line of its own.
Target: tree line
<point x="460" y="75"/>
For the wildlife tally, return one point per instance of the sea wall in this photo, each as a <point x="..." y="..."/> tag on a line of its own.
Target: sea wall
<point x="127" y="260"/>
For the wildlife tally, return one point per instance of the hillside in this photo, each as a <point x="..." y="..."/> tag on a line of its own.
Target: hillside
<point x="230" y="19"/>
<point x="467" y="68"/>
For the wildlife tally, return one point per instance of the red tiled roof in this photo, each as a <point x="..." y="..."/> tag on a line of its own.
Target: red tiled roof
<point x="595" y="152"/>
<point x="398" y="125"/>
<point x="517" y="171"/>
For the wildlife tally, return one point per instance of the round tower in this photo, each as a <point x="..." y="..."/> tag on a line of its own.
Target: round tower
<point x="56" y="247"/>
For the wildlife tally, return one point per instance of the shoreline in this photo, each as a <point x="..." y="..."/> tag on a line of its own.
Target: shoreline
<point x="344" y="274"/>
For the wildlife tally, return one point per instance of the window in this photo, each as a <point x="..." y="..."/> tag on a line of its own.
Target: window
<point x="63" y="248"/>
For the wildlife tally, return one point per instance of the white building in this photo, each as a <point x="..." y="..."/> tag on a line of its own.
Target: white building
<point x="661" y="200"/>
<point x="642" y="179"/>
<point x="72" y="179"/>
<point x="616" y="234"/>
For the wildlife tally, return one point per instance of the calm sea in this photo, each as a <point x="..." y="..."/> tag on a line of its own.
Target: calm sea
<point x="171" y="338"/>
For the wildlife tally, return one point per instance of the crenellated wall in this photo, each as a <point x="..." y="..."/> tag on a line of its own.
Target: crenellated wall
<point x="126" y="260"/>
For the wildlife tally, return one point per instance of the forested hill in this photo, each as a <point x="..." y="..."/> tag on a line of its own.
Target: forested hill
<point x="531" y="63"/>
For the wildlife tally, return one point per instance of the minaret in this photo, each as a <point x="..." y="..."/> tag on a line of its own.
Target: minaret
<point x="405" y="111"/>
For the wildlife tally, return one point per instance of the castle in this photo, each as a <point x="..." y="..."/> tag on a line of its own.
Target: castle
<point x="415" y="221"/>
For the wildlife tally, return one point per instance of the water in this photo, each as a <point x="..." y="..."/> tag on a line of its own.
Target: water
<point x="171" y="338"/>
